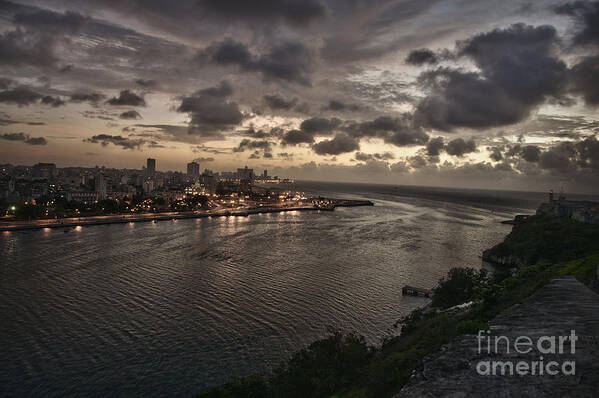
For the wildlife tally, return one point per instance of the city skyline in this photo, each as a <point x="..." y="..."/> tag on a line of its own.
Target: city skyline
<point x="393" y="92"/>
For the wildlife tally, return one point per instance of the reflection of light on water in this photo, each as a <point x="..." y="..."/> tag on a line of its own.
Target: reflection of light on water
<point x="78" y="228"/>
<point x="46" y="230"/>
<point x="6" y="233"/>
<point x="131" y="223"/>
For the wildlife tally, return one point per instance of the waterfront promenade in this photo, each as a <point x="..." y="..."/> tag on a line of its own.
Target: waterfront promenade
<point x="151" y="217"/>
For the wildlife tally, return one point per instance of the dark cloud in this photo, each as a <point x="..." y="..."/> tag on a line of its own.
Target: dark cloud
<point x="369" y="34"/>
<point x="340" y="106"/>
<point x="18" y="48"/>
<point x="210" y="110"/>
<point x="117" y="140"/>
<point x="586" y="15"/>
<point x="572" y="159"/>
<point x="14" y="136"/>
<point x="259" y="134"/>
<point x="296" y="12"/>
<point x="23" y="96"/>
<point x="92" y="98"/>
<point x="289" y="61"/>
<point x="584" y="77"/>
<point x="398" y="131"/>
<point x="146" y="82"/>
<point x="276" y="102"/>
<point x="421" y="56"/>
<point x="170" y="132"/>
<point x="531" y="153"/>
<point x="5" y="83"/>
<point x="341" y="143"/>
<point x="366" y="157"/>
<point x="55" y="102"/>
<point x="36" y="141"/>
<point x="20" y="96"/>
<point x="37" y="36"/>
<point x="459" y="147"/>
<point x="560" y="158"/>
<point x="6" y="122"/>
<point x="247" y="144"/>
<point x="24" y="138"/>
<point x="496" y="153"/>
<point x="295" y="137"/>
<point x="133" y="114"/>
<point x="417" y="162"/>
<point x="435" y="146"/>
<point x="319" y="125"/>
<point x="50" y="21"/>
<point x="201" y="160"/>
<point x="127" y="98"/>
<point x="518" y="72"/>
<point x="588" y="152"/>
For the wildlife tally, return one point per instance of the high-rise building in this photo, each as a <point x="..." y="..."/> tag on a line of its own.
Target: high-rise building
<point x="245" y="173"/>
<point x="100" y="186"/>
<point x="193" y="171"/>
<point x="150" y="167"/>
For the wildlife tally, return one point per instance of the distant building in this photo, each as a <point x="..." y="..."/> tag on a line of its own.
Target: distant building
<point x="228" y="175"/>
<point x="208" y="183"/>
<point x="193" y="171"/>
<point x="100" y="186"/>
<point x="7" y="186"/>
<point x="583" y="211"/>
<point x="45" y="170"/>
<point x="148" y="187"/>
<point x="150" y="167"/>
<point x="82" y="196"/>
<point x="245" y="173"/>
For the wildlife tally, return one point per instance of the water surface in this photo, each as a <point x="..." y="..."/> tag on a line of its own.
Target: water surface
<point x="171" y="308"/>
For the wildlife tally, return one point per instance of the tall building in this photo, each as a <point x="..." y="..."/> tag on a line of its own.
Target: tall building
<point x="150" y="167"/>
<point x="100" y="186"/>
<point x="245" y="173"/>
<point x="193" y="170"/>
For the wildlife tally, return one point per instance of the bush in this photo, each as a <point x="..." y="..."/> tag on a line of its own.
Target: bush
<point x="460" y="286"/>
<point x="471" y="326"/>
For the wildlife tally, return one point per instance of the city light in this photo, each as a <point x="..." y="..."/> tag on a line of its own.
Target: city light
<point x="82" y="195"/>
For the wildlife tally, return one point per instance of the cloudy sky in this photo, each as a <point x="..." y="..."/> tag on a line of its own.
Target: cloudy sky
<point x="466" y="93"/>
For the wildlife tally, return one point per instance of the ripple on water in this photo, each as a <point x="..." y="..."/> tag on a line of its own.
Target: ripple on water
<point x="171" y="308"/>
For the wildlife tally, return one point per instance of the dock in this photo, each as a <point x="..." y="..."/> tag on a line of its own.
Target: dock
<point x="408" y="290"/>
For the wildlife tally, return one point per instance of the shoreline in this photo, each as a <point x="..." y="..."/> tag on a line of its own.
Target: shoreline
<point x="147" y="217"/>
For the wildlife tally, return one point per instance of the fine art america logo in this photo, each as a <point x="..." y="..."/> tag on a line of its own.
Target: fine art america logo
<point x="551" y="346"/>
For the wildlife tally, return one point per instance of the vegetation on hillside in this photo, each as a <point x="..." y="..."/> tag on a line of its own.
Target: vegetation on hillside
<point x="548" y="239"/>
<point x="345" y="366"/>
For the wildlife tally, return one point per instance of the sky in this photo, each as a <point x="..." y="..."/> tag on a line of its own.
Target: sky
<point x="456" y="93"/>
